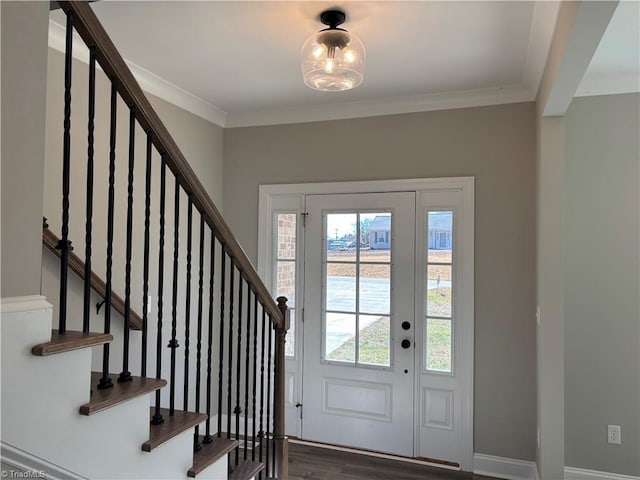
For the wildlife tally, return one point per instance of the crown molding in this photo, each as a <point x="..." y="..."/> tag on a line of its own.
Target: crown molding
<point x="384" y="106"/>
<point x="149" y="82"/>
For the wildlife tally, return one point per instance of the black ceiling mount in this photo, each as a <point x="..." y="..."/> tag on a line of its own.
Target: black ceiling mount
<point x="332" y="18"/>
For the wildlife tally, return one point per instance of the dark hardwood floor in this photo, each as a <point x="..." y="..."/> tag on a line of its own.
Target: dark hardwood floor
<point x="315" y="463"/>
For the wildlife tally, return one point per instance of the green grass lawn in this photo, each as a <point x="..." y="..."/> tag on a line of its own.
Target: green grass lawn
<point x="374" y="339"/>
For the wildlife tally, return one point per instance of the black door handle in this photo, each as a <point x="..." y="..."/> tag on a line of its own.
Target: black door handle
<point x="406" y="343"/>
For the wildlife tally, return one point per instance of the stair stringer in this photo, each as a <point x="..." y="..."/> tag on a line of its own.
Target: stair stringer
<point x="40" y="401"/>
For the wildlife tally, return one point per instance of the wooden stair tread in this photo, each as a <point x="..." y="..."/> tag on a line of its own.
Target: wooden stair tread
<point x="210" y="453"/>
<point x="172" y="426"/>
<point x="119" y="393"/>
<point x="245" y="470"/>
<point x="71" y="340"/>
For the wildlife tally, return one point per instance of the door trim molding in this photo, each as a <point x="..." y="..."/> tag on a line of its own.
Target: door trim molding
<point x="367" y="186"/>
<point x="298" y="191"/>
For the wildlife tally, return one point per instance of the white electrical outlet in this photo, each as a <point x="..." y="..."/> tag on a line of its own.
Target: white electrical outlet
<point x="613" y="434"/>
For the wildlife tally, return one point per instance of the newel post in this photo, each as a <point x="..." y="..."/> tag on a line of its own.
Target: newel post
<point x="280" y="439"/>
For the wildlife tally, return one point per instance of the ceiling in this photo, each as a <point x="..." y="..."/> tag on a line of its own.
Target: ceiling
<point x="237" y="63"/>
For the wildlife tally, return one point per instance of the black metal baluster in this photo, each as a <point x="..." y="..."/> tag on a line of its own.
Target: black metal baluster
<point x="247" y="372"/>
<point x="197" y="444"/>
<point x="157" y="416"/>
<point x="255" y="373"/>
<point x="230" y="354"/>
<point x="173" y="343"/>
<point x="89" y="210"/>
<point x="237" y="409"/>
<point x="270" y="326"/>
<point x="64" y="245"/>
<point x="187" y="320"/>
<point x="221" y="337"/>
<point x="125" y="375"/>
<point x="145" y="271"/>
<point x="261" y="434"/>
<point x="208" y="438"/>
<point x="105" y="381"/>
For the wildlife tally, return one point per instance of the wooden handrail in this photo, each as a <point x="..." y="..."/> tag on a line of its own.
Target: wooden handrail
<point x="91" y="31"/>
<point x="50" y="241"/>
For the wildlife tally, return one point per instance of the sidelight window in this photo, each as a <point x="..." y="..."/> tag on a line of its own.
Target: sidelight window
<point x="285" y="272"/>
<point x="438" y="291"/>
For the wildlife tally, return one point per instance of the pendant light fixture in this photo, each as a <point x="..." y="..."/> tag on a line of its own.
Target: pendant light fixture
<point x="333" y="59"/>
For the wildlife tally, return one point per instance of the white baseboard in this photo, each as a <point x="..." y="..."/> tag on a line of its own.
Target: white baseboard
<point x="573" y="473"/>
<point x="501" y="467"/>
<point x="37" y="467"/>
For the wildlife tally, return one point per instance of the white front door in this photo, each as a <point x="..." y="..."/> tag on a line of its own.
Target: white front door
<point x="359" y="340"/>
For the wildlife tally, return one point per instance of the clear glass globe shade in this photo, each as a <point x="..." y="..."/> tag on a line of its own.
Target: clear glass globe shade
<point x="333" y="60"/>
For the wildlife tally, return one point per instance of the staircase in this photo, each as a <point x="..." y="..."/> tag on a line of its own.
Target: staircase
<point x="190" y="387"/>
<point x="60" y="428"/>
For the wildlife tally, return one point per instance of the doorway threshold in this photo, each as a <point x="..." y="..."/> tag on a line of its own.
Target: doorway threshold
<point x="428" y="462"/>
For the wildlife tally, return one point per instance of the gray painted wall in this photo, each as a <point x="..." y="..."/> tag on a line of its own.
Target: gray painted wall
<point x="602" y="327"/>
<point x="24" y="72"/>
<point x="496" y="145"/>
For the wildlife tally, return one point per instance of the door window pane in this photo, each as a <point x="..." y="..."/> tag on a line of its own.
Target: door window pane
<point x="440" y="237"/>
<point x="439" y="344"/>
<point x="439" y="291"/>
<point x="375" y="237"/>
<point x="340" y="336"/>
<point x="290" y="343"/>
<point x="341" y="287"/>
<point x="286" y="236"/>
<point x="341" y="236"/>
<point x="375" y="288"/>
<point x="438" y="295"/>
<point x="374" y="340"/>
<point x="286" y="282"/>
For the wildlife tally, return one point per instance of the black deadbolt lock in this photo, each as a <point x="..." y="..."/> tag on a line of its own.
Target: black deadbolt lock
<point x="406" y="325"/>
